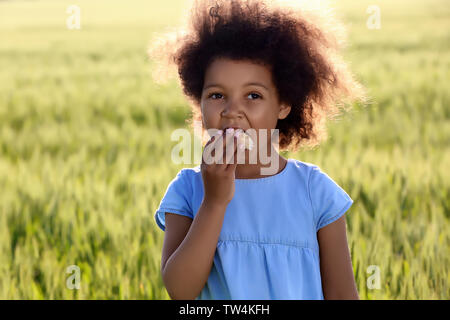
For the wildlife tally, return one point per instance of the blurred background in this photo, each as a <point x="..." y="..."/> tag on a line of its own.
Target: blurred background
<point x="85" y="143"/>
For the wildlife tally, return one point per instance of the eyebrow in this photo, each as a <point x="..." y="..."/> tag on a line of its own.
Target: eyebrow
<point x="245" y="84"/>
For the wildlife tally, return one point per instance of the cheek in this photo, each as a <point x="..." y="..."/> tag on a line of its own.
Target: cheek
<point x="262" y="116"/>
<point x="210" y="114"/>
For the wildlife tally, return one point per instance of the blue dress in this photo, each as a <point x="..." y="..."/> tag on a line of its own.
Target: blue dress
<point x="268" y="246"/>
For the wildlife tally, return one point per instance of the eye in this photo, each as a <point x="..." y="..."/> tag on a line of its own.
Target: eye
<point x="255" y="94"/>
<point x="213" y="94"/>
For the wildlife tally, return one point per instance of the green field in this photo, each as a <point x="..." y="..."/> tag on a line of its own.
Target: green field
<point x="85" y="138"/>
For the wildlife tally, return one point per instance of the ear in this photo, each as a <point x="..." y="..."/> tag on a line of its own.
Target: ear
<point x="284" y="111"/>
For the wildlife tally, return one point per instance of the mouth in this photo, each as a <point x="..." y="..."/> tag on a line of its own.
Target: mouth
<point x="244" y="139"/>
<point x="235" y="128"/>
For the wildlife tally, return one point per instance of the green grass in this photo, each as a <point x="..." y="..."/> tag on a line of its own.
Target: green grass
<point x="85" y="134"/>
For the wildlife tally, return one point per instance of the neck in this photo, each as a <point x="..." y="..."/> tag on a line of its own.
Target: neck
<point x="259" y="170"/>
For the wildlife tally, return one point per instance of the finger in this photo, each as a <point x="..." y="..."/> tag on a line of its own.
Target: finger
<point x="230" y="148"/>
<point x="240" y="154"/>
<point x="214" y="137"/>
<point x="206" y="151"/>
<point x="226" y="135"/>
<point x="233" y="164"/>
<point x="211" y="146"/>
<point x="218" y="150"/>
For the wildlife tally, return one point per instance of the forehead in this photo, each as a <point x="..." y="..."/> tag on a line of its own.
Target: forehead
<point x="233" y="72"/>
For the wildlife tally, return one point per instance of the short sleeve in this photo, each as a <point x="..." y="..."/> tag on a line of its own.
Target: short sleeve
<point x="177" y="199"/>
<point x="329" y="201"/>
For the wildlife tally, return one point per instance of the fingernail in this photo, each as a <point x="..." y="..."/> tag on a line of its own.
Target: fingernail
<point x="219" y="132"/>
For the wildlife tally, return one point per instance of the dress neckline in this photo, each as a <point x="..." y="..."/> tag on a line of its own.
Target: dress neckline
<point x="268" y="178"/>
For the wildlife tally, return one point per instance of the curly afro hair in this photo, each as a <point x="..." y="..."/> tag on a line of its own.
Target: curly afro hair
<point x="299" y="42"/>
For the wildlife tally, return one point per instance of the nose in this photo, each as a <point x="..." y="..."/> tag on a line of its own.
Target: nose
<point x="232" y="110"/>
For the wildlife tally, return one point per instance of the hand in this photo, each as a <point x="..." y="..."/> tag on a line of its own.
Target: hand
<point x="218" y="178"/>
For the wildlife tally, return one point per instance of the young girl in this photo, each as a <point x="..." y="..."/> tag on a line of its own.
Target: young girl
<point x="232" y="232"/>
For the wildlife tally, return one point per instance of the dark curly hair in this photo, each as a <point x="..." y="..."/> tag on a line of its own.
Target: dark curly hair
<point x="299" y="44"/>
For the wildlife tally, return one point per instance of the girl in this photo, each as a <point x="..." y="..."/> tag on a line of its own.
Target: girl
<point x="232" y="232"/>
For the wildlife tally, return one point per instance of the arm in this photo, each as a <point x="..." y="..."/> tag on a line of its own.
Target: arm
<point x="188" y="250"/>
<point x="336" y="270"/>
<point x="190" y="244"/>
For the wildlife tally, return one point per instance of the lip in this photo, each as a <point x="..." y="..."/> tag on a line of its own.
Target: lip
<point x="235" y="128"/>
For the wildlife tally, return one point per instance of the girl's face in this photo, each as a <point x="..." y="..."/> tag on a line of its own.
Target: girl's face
<point x="240" y="94"/>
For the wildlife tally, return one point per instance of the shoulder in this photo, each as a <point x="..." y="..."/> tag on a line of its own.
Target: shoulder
<point x="319" y="178"/>
<point x="190" y="173"/>
<point x="189" y="177"/>
<point x="303" y="169"/>
<point x="316" y="179"/>
<point x="302" y="165"/>
<point x="310" y="170"/>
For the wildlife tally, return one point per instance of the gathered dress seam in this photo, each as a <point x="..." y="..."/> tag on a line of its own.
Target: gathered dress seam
<point x="297" y="245"/>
